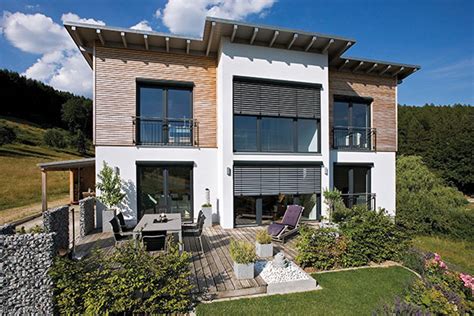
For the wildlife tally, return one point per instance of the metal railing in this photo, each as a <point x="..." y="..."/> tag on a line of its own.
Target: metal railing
<point x="354" y="138"/>
<point x="165" y="131"/>
<point x="359" y="199"/>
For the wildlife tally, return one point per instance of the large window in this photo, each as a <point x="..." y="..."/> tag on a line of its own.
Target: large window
<point x="165" y="188"/>
<point x="276" y="116"/>
<point x="275" y="134"/>
<point x="164" y="115"/>
<point x="352" y="128"/>
<point x="354" y="184"/>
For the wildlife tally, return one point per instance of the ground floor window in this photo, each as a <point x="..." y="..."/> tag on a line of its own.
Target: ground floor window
<point x="262" y="210"/>
<point x="165" y="188"/>
<point x="353" y="181"/>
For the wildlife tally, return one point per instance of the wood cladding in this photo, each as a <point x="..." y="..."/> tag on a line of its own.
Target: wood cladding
<point x="384" y="106"/>
<point x="116" y="71"/>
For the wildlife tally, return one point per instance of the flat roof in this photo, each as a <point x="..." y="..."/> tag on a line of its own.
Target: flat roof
<point x="85" y="35"/>
<point x="67" y="164"/>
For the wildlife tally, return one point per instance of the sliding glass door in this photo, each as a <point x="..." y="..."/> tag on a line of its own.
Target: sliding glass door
<point x="165" y="189"/>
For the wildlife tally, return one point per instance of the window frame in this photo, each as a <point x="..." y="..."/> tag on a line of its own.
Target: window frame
<point x="164" y="85"/>
<point x="294" y="133"/>
<point x="350" y="103"/>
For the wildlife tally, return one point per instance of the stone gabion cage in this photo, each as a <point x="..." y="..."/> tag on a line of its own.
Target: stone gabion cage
<point x="57" y="221"/>
<point x="86" y="215"/>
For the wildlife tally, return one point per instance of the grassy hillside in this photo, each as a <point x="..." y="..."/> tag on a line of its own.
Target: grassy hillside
<point x="20" y="183"/>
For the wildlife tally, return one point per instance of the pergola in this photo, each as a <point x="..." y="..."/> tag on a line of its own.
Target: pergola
<point x="81" y="177"/>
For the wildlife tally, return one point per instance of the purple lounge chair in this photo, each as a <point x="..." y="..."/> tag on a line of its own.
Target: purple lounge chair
<point x="289" y="224"/>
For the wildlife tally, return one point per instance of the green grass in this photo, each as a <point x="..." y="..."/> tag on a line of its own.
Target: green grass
<point x="356" y="292"/>
<point x="458" y="254"/>
<point x="20" y="183"/>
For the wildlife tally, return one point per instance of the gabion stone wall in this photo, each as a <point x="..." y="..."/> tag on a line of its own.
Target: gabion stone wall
<point x="57" y="221"/>
<point x="86" y="215"/>
<point x="25" y="285"/>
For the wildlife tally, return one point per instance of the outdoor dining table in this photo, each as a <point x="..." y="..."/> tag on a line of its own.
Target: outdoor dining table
<point x="171" y="226"/>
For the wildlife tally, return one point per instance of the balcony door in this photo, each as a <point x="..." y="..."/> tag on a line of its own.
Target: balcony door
<point x="352" y="124"/>
<point x="165" y="189"/>
<point x="164" y="115"/>
<point x="354" y="184"/>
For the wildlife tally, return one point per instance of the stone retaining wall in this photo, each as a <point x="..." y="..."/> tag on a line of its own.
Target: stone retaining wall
<point x="25" y="285"/>
<point x="57" y="221"/>
<point x="86" y="215"/>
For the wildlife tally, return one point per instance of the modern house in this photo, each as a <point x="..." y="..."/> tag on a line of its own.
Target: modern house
<point x="255" y="116"/>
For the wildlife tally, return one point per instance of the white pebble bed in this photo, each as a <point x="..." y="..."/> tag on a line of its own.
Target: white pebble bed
<point x="273" y="274"/>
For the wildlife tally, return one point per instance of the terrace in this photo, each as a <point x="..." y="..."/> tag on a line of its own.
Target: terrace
<point x="212" y="271"/>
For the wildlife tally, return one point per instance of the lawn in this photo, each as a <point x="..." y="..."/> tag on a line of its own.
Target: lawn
<point x="458" y="254"/>
<point x="356" y="292"/>
<point x="20" y="183"/>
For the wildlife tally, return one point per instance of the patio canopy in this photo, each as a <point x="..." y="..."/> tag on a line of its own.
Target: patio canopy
<point x="81" y="177"/>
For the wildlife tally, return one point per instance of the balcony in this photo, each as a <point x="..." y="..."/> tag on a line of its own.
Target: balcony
<point x="353" y="199"/>
<point x="150" y="131"/>
<point x="354" y="138"/>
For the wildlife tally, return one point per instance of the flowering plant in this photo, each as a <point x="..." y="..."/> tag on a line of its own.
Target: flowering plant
<point x="468" y="281"/>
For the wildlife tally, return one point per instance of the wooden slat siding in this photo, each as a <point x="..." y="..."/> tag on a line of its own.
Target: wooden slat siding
<point x="384" y="107"/>
<point x="115" y="76"/>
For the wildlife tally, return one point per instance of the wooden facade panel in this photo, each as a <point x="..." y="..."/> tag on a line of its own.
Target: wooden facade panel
<point x="384" y="106"/>
<point x="116" y="71"/>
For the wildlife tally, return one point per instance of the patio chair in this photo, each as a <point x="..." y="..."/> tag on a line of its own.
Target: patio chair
<point x="122" y="222"/>
<point x="192" y="226"/>
<point x="118" y="234"/>
<point x="289" y="224"/>
<point x="196" y="231"/>
<point x="155" y="241"/>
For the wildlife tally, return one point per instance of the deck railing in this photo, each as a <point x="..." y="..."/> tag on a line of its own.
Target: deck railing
<point x="165" y="131"/>
<point x="353" y="199"/>
<point x="354" y="138"/>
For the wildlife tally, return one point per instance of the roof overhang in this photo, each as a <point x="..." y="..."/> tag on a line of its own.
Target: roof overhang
<point x="87" y="35"/>
<point x="375" y="67"/>
<point x="67" y="164"/>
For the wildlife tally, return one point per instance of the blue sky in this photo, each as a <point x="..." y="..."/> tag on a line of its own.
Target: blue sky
<point x="438" y="35"/>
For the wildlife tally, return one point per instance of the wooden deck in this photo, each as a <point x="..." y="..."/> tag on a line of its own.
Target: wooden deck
<point x="212" y="271"/>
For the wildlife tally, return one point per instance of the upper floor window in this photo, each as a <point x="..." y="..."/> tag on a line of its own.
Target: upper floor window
<point x="276" y="116"/>
<point x="164" y="115"/>
<point x="352" y="127"/>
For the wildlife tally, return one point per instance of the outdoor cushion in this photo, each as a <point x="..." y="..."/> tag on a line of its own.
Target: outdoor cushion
<point x="292" y="215"/>
<point x="275" y="228"/>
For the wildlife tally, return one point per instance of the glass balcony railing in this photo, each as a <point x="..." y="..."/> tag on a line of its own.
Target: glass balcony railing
<point x="354" y="138"/>
<point x="165" y="131"/>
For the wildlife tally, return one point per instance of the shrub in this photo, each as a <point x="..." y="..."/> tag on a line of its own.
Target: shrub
<point x="242" y="252"/>
<point x="425" y="205"/>
<point x="373" y="236"/>
<point x="336" y="207"/>
<point x="56" y="137"/>
<point x="7" y="134"/>
<point x="319" y="248"/>
<point x="110" y="187"/>
<point x="130" y="281"/>
<point x="263" y="237"/>
<point x="413" y="259"/>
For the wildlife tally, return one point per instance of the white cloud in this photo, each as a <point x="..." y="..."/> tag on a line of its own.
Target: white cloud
<point x="61" y="64"/>
<point x="71" y="17"/>
<point x="158" y="14"/>
<point x="142" y="25"/>
<point x="187" y="17"/>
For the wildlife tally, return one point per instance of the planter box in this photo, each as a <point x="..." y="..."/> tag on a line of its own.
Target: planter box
<point x="208" y="214"/>
<point x="264" y="250"/>
<point x="244" y="271"/>
<point x="107" y="215"/>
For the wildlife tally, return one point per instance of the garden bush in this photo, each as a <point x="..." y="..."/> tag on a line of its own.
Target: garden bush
<point x="425" y="205"/>
<point x="263" y="237"/>
<point x="56" y="137"/>
<point x="319" y="248"/>
<point x="7" y="134"/>
<point x="365" y="236"/>
<point x="242" y="252"/>
<point x="130" y="281"/>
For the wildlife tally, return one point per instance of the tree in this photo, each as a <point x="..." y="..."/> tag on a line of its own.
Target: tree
<point x="7" y="134"/>
<point x="110" y="187"/>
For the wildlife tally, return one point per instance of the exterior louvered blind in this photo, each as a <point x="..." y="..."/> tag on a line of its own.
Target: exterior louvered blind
<point x="271" y="180"/>
<point x="276" y="99"/>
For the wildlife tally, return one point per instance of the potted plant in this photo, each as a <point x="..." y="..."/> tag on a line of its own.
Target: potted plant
<point x="207" y="209"/>
<point x="111" y="194"/>
<point x="244" y="257"/>
<point x="263" y="244"/>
